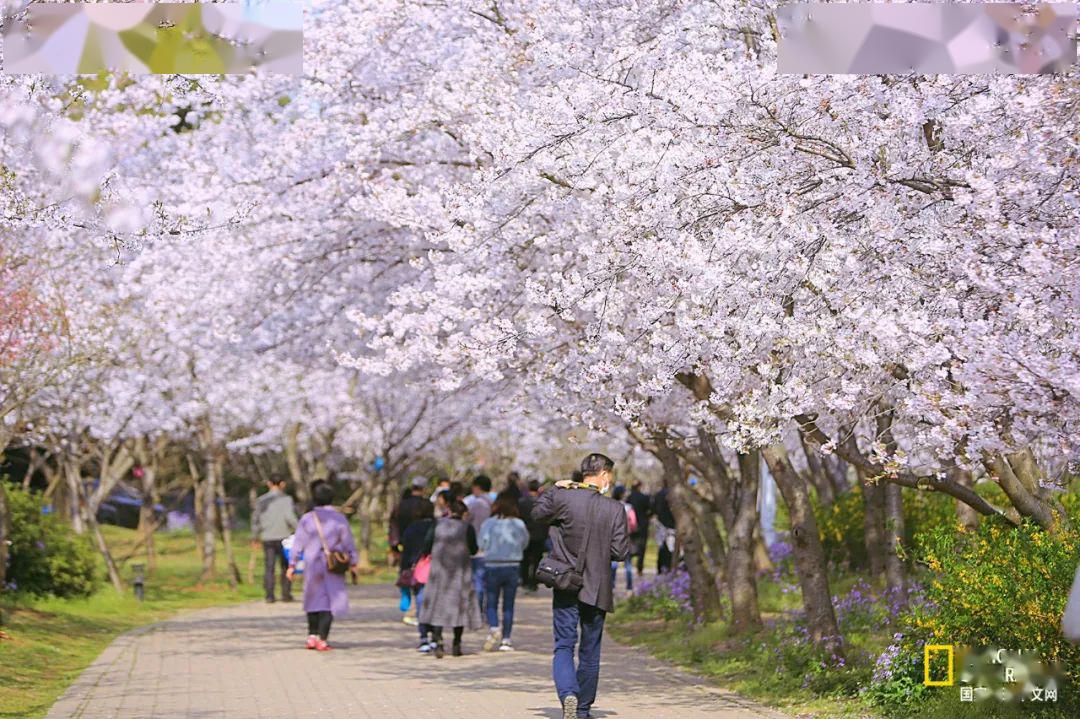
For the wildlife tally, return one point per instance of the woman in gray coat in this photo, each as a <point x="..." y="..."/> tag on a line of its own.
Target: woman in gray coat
<point x="449" y="596"/>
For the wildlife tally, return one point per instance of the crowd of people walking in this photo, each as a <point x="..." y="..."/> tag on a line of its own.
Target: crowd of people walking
<point x="462" y="557"/>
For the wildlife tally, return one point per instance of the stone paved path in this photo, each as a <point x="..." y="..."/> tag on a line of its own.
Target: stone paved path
<point x="248" y="662"/>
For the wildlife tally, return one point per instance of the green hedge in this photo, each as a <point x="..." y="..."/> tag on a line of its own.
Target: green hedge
<point x="46" y="556"/>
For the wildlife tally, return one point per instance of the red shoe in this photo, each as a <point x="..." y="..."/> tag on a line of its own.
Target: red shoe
<point x="312" y="642"/>
<point x="322" y="646"/>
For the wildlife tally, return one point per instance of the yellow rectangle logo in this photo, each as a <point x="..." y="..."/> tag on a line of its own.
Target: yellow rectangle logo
<point x="948" y="649"/>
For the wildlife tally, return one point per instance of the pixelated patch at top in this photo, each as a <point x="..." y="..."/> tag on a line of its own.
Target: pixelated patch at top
<point x="940" y="38"/>
<point x="189" y="38"/>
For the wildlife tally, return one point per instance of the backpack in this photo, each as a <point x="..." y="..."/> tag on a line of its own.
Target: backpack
<point x="631" y="518"/>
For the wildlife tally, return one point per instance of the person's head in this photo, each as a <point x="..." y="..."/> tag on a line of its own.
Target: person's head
<point x="618" y="493"/>
<point x="443" y="500"/>
<point x="458" y="509"/>
<point x="322" y="493"/>
<point x="418" y="485"/>
<point x="506" y="505"/>
<point x="426" y="511"/>
<point x="534" y="485"/>
<point x="457" y="489"/>
<point x="636" y="486"/>
<point x="513" y="485"/>
<point x="443" y="483"/>
<point x="575" y="476"/>
<point x="481" y="485"/>
<point x="598" y="470"/>
<point x="277" y="482"/>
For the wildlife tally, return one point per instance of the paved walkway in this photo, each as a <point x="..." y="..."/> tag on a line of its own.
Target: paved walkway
<point x="248" y="662"/>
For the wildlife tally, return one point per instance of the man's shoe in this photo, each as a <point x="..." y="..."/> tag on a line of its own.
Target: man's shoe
<point x="439" y="651"/>
<point x="425" y="647"/>
<point x="506" y="646"/>
<point x="493" y="639"/>
<point x="569" y="707"/>
<point x="312" y="641"/>
<point x="270" y="600"/>
<point x="287" y="599"/>
<point x="456" y="650"/>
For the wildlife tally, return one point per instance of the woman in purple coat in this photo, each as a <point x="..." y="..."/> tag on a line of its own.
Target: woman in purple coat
<point x="325" y="596"/>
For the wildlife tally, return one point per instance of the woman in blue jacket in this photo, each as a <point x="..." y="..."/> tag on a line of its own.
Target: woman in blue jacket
<point x="503" y="538"/>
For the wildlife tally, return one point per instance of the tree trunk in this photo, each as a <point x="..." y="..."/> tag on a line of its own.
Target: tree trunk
<point x="73" y="482"/>
<point x="965" y="514"/>
<point x="148" y="524"/>
<point x="296" y="471"/>
<point x="823" y="485"/>
<point x="894" y="538"/>
<point x="5" y="532"/>
<point x="809" y="555"/>
<point x="368" y="506"/>
<point x="1018" y="479"/>
<point x="89" y="521"/>
<point x="198" y="505"/>
<point x="210" y="496"/>
<point x="715" y="555"/>
<point x="253" y="497"/>
<point x="742" y="579"/>
<point x="224" y="526"/>
<point x="704" y="596"/>
<point x="873" y="495"/>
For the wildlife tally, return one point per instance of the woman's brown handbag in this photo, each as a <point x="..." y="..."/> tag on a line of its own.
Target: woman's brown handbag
<point x="336" y="562"/>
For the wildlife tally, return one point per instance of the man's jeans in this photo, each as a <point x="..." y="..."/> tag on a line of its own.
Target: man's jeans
<point x="501" y="578"/>
<point x="478" y="580"/>
<point x="567" y="614"/>
<point x="273" y="554"/>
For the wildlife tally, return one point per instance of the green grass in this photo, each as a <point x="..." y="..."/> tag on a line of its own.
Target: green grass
<point x="50" y="641"/>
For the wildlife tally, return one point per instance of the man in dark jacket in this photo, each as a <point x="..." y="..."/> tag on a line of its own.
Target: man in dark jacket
<point x="665" y="538"/>
<point x="583" y="520"/>
<point x="639" y="540"/>
<point x="538" y="532"/>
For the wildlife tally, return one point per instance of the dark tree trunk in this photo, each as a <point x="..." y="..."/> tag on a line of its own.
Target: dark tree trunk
<point x="735" y="496"/>
<point x="715" y="554"/>
<point x="965" y="513"/>
<point x="895" y="570"/>
<point x="823" y="485"/>
<point x="742" y="579"/>
<point x="704" y="595"/>
<point x="893" y="510"/>
<point x="808" y="553"/>
<point x="5" y="532"/>
<point x="873" y="524"/>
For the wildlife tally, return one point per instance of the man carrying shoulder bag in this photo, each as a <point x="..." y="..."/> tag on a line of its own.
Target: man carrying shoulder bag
<point x="588" y="532"/>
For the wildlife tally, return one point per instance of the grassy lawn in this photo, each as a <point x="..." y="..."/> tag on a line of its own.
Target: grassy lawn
<point x="50" y="641"/>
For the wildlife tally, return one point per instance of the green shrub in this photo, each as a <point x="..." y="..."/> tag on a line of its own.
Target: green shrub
<point x="843" y="533"/>
<point x="1000" y="586"/>
<point x="46" y="556"/>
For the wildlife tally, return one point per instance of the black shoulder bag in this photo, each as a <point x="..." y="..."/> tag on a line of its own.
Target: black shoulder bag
<point x="560" y="575"/>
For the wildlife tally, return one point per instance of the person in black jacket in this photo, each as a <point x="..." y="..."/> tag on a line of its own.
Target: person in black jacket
<point x="538" y="533"/>
<point x="413" y="545"/>
<point x="665" y="537"/>
<point x="639" y="539"/>
<point x="583" y="521"/>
